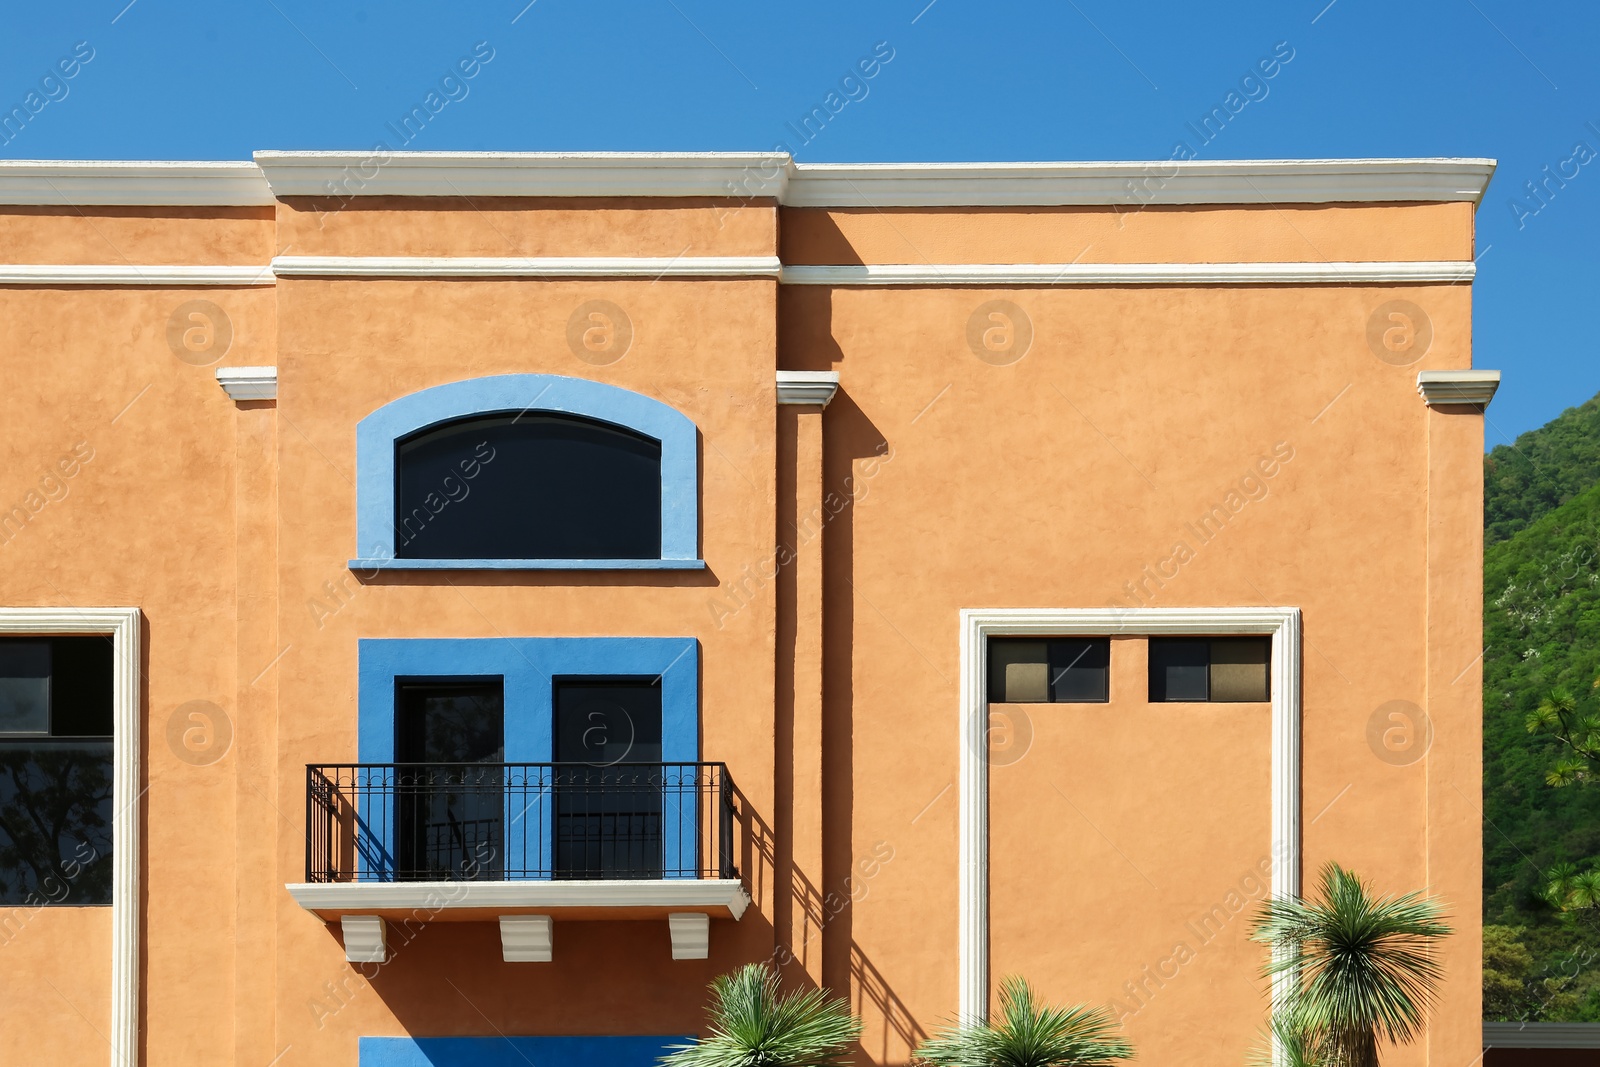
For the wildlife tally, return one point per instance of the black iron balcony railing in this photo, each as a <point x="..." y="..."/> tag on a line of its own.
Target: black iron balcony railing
<point x="397" y="822"/>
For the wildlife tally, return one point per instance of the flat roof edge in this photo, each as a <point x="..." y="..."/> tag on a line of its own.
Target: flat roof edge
<point x="271" y="176"/>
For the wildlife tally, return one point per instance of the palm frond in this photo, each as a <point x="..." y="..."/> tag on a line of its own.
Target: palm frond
<point x="1300" y="1048"/>
<point x="754" y="1025"/>
<point x="1363" y="963"/>
<point x="1030" y="1034"/>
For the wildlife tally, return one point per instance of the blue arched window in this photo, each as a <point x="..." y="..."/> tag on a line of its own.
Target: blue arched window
<point x="526" y="471"/>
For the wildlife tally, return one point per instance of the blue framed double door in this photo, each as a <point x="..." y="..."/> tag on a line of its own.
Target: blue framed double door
<point x="596" y="812"/>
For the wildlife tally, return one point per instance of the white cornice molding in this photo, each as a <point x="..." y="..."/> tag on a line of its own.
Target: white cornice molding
<point x="1541" y="1035"/>
<point x="346" y="174"/>
<point x="165" y="276"/>
<point x="88" y="183"/>
<point x="1138" y="184"/>
<point x="249" y="383"/>
<point x="123" y="626"/>
<point x="744" y="176"/>
<point x="979" y="624"/>
<point x="681" y="894"/>
<point x="938" y="275"/>
<point x="813" y="387"/>
<point x="526" y="267"/>
<point x="1061" y="274"/>
<point x="1475" y="387"/>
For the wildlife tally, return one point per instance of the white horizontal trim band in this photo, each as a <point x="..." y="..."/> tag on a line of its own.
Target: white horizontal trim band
<point x="1002" y="274"/>
<point x="1134" y="184"/>
<point x="172" y="277"/>
<point x="744" y="176"/>
<point x="459" y="174"/>
<point x="527" y="267"/>
<point x="155" y="183"/>
<point x="682" y="893"/>
<point x="919" y="274"/>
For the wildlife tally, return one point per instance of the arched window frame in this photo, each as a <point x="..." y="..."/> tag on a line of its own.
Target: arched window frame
<point x="378" y="433"/>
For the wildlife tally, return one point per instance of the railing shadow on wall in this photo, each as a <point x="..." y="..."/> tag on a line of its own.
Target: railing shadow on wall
<point x="890" y="1031"/>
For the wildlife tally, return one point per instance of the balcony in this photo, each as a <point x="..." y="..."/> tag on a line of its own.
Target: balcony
<point x="521" y="844"/>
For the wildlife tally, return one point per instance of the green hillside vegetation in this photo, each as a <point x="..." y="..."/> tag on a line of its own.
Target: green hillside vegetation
<point x="1544" y="469"/>
<point x="1541" y="635"/>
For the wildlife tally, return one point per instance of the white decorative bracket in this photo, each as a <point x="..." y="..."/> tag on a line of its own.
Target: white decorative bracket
<point x="815" y="387"/>
<point x="526" y="938"/>
<point x="691" y="934"/>
<point x="249" y="383"/>
<point x="364" y="939"/>
<point x="1476" y="387"/>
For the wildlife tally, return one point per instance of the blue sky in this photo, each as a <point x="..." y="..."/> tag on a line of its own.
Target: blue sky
<point x="997" y="80"/>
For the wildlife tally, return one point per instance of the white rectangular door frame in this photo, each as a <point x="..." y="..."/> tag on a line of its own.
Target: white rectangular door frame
<point x="979" y="624"/>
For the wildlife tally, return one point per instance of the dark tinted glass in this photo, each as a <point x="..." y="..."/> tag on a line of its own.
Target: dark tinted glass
<point x="55" y="822"/>
<point x="1059" y="670"/>
<point x="1078" y="669"/>
<point x="81" y="687"/>
<point x="451" y="722"/>
<point x="536" y="486"/>
<point x="608" y="811"/>
<point x="1180" y="668"/>
<point x="24" y="686"/>
<point x="450" y="818"/>
<point x="55" y="770"/>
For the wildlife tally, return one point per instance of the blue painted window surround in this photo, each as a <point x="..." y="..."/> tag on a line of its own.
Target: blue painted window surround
<point x="528" y="667"/>
<point x="515" y="1051"/>
<point x="377" y="434"/>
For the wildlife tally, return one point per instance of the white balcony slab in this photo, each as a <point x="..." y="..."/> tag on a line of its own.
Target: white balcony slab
<point x="478" y="901"/>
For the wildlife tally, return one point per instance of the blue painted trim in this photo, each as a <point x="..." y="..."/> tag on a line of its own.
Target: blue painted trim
<point x="528" y="667"/>
<point x="377" y="433"/>
<point x="515" y="1051"/>
<point x="527" y="564"/>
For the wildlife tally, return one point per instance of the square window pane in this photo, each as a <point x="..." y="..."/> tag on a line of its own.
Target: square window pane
<point x="1180" y="669"/>
<point x="1239" y="669"/>
<point x="1078" y="669"/>
<point x="24" y="687"/>
<point x="1019" y="671"/>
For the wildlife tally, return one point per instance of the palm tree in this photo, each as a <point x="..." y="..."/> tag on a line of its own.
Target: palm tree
<point x="1361" y="966"/>
<point x="1030" y="1034"/>
<point x="1298" y="1048"/>
<point x="752" y="1025"/>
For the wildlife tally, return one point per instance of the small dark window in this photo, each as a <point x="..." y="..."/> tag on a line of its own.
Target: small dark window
<point x="56" y="762"/>
<point x="1066" y="670"/>
<point x="527" y="486"/>
<point x="1210" y="669"/>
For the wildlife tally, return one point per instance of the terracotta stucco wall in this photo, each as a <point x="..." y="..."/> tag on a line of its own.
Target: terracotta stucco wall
<point x="1068" y="476"/>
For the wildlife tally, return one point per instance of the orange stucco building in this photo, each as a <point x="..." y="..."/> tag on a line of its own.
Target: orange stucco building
<point x="454" y="605"/>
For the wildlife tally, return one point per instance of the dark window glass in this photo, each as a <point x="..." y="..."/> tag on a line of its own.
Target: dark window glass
<point x="55" y="770"/>
<point x="1210" y="669"/>
<point x="450" y="793"/>
<point x="608" y="794"/>
<point x="527" y="486"/>
<point x="1180" y="669"/>
<point x="1060" y="670"/>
